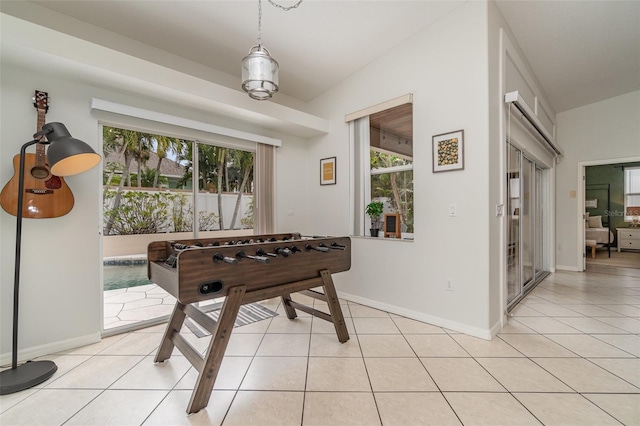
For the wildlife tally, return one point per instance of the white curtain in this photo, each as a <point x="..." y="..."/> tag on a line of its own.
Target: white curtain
<point x="264" y="200"/>
<point x="360" y="186"/>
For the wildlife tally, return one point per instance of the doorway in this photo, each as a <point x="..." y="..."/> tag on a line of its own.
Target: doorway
<point x="611" y="196"/>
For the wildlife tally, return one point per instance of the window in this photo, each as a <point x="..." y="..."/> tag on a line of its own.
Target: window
<point x="631" y="193"/>
<point x="149" y="185"/>
<point x="382" y="146"/>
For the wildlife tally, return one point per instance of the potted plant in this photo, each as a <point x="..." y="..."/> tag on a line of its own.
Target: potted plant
<point x="374" y="210"/>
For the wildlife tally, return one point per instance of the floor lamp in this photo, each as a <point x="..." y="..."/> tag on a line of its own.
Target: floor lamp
<point x="66" y="156"/>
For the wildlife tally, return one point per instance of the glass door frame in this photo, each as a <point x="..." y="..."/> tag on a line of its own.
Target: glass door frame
<point x="539" y="191"/>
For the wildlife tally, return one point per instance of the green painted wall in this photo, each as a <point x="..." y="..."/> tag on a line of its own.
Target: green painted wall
<point x="612" y="174"/>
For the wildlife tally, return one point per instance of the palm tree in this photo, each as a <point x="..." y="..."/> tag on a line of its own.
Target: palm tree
<point x="244" y="161"/>
<point x="227" y="161"/>
<point x="220" y="155"/>
<point x="206" y="165"/>
<point x="127" y="144"/>
<point x="122" y="142"/>
<point x="164" y="146"/>
<point x="111" y="168"/>
<point x="141" y="153"/>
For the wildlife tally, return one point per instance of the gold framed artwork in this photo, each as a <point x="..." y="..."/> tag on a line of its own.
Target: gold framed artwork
<point x="448" y="151"/>
<point x="392" y="225"/>
<point x="328" y="171"/>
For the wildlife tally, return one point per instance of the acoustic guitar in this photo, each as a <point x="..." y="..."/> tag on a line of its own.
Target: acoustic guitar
<point x="46" y="195"/>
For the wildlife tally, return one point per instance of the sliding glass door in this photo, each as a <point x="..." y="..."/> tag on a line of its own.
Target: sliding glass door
<point x="527" y="221"/>
<point x="538" y="260"/>
<point x="159" y="188"/>
<point x="514" y="287"/>
<point x="525" y="230"/>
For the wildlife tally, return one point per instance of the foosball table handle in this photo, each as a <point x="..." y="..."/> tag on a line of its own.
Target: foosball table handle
<point x="263" y="253"/>
<point x="242" y="255"/>
<point x="322" y="248"/>
<point x="219" y="257"/>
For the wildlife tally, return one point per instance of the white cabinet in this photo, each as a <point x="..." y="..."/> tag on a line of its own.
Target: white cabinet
<point x="628" y="238"/>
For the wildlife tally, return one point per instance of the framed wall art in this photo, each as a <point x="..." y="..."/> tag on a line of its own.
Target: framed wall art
<point x="591" y="204"/>
<point x="448" y="151"/>
<point x="328" y="171"/>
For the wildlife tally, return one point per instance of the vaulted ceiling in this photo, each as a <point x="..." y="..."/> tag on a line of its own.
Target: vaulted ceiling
<point x="581" y="51"/>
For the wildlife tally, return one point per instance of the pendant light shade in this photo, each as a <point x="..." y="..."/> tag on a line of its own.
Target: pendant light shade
<point x="259" y="73"/>
<point x="259" y="69"/>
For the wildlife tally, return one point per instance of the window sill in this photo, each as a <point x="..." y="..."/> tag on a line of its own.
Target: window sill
<point x="410" y="240"/>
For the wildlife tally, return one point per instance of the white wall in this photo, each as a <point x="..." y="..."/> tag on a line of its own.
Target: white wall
<point x="497" y="242"/>
<point x="445" y="67"/>
<point x="59" y="288"/>
<point x="605" y="130"/>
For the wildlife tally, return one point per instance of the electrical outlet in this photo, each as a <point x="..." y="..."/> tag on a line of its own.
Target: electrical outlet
<point x="449" y="286"/>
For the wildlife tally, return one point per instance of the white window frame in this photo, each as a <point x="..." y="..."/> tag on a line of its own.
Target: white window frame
<point x="361" y="172"/>
<point x="627" y="177"/>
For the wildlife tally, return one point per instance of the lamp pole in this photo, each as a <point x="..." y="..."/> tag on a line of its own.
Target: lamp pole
<point x="33" y="372"/>
<point x="67" y="156"/>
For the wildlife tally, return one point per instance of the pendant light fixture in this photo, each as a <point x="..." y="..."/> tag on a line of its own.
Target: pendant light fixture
<point x="259" y="69"/>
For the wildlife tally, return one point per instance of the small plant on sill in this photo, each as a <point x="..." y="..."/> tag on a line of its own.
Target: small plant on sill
<point x="374" y="210"/>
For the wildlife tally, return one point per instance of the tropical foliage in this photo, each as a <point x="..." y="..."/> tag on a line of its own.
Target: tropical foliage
<point x="395" y="186"/>
<point x="138" y="213"/>
<point x="220" y="170"/>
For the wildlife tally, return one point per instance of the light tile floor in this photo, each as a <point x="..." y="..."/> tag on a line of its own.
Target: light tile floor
<point x="568" y="356"/>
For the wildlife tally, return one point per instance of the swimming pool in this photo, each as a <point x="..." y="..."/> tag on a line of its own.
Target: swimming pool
<point x="125" y="275"/>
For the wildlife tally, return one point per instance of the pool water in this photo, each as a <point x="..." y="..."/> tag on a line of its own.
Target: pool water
<point x="125" y="276"/>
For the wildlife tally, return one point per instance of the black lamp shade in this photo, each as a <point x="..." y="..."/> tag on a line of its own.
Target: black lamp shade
<point x="66" y="155"/>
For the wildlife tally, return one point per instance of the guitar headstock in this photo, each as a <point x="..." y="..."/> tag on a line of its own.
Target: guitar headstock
<point x="41" y="100"/>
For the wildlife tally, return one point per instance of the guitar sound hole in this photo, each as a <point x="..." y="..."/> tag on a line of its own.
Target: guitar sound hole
<point x="39" y="172"/>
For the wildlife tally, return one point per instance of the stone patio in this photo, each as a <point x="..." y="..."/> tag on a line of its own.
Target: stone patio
<point x="132" y="305"/>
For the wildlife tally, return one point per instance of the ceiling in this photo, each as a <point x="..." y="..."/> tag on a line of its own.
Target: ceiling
<point x="397" y="120"/>
<point x="581" y="51"/>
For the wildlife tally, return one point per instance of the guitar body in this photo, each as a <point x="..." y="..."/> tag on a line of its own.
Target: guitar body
<point x="45" y="196"/>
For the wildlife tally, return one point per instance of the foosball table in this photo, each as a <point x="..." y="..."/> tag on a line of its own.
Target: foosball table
<point x="243" y="270"/>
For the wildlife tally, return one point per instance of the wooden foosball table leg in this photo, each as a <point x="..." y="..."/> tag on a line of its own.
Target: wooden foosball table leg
<point x="289" y="310"/>
<point x="334" y="306"/>
<point x="215" y="352"/>
<point x="174" y="326"/>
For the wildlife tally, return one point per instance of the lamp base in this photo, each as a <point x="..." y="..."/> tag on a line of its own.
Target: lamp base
<point x="25" y="376"/>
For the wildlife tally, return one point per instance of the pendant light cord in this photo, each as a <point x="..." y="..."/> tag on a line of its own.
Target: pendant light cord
<point x="286" y="9"/>
<point x="259" y="22"/>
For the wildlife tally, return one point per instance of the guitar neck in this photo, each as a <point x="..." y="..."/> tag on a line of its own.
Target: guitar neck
<point x="41" y="158"/>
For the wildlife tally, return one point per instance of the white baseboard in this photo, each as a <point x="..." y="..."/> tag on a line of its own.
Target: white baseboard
<point x="567" y="268"/>
<point x="419" y="316"/>
<point x="496" y="328"/>
<point x="50" y="348"/>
